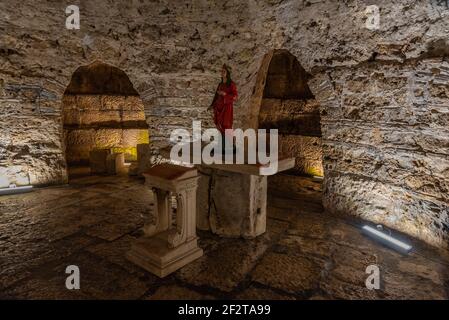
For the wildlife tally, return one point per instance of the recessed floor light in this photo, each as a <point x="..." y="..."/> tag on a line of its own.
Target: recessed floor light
<point x="15" y="190"/>
<point x="387" y="239"/>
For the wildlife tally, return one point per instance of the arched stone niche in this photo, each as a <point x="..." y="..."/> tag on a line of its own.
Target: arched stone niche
<point x="102" y="110"/>
<point x="282" y="100"/>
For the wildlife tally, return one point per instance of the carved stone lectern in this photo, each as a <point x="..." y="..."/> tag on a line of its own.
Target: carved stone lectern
<point x="169" y="245"/>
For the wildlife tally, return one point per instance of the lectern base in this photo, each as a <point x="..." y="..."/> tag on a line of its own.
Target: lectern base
<point x="154" y="255"/>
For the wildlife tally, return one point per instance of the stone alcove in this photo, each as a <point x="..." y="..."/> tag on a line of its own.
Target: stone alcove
<point x="283" y="100"/>
<point x="101" y="110"/>
<point x="289" y="106"/>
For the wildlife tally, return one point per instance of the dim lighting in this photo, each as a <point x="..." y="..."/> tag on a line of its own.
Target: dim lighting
<point x="13" y="189"/>
<point x="387" y="240"/>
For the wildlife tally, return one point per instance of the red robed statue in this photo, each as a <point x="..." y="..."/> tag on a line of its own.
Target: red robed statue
<point x="223" y="103"/>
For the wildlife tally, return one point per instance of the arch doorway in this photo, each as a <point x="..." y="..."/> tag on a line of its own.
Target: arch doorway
<point x="102" y="111"/>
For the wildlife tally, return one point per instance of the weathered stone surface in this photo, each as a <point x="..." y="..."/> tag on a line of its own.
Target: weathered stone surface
<point x="116" y="163"/>
<point x="306" y="150"/>
<point x="340" y="290"/>
<point x="44" y="289"/>
<point x="400" y="286"/>
<point x="296" y="188"/>
<point x="99" y="78"/>
<point x="111" y="230"/>
<point x="102" y="280"/>
<point x="102" y="121"/>
<point x="286" y="78"/>
<point x="219" y="269"/>
<point x="288" y="106"/>
<point x="290" y="272"/>
<point x="115" y="253"/>
<point x="387" y="152"/>
<point x="21" y="256"/>
<point x="244" y="216"/>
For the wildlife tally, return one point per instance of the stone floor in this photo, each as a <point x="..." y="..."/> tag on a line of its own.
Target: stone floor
<point x="305" y="254"/>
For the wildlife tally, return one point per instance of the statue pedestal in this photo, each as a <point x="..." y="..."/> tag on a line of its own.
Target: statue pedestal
<point x="168" y="246"/>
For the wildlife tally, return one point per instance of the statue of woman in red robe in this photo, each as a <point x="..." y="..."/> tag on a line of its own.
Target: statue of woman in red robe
<point x="223" y="103"/>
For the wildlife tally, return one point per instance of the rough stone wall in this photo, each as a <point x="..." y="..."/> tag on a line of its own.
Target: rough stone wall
<point x="299" y="130"/>
<point x="31" y="150"/>
<point x="103" y="122"/>
<point x="386" y="146"/>
<point x="307" y="152"/>
<point x="172" y="52"/>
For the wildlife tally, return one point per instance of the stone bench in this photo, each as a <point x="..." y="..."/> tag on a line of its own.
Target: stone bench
<point x="103" y="161"/>
<point x="115" y="163"/>
<point x="166" y="248"/>
<point x="98" y="161"/>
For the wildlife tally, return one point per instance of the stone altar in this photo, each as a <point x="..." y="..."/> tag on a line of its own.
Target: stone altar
<point x="232" y="198"/>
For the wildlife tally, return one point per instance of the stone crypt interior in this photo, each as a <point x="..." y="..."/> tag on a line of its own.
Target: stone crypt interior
<point x="86" y="115"/>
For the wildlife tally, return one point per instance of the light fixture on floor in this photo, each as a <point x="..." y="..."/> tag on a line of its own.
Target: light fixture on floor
<point x="386" y="239"/>
<point x="13" y="189"/>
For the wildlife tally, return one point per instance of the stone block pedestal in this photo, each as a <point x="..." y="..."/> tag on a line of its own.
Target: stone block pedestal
<point x="98" y="161"/>
<point x="232" y="199"/>
<point x="231" y="204"/>
<point x="115" y="163"/>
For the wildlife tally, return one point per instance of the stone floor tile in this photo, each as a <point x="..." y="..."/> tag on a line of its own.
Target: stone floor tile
<point x="220" y="268"/>
<point x="289" y="272"/>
